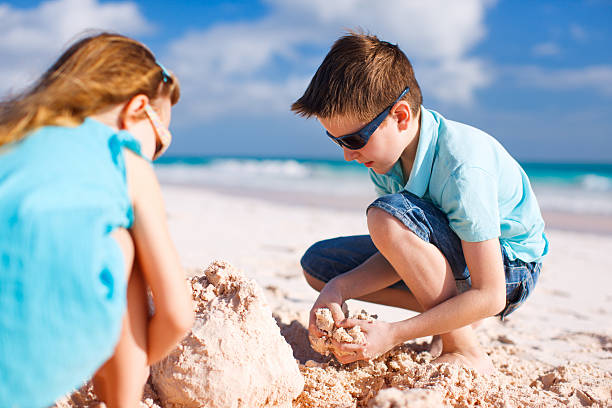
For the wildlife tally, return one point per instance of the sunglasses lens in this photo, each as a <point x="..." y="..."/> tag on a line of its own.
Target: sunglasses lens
<point x="354" y="142"/>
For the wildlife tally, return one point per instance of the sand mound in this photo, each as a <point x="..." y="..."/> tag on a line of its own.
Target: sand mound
<point x="234" y="356"/>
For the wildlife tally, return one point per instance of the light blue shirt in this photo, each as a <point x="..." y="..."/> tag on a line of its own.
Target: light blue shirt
<point x="469" y="175"/>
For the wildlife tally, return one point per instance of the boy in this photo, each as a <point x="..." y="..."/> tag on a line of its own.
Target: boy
<point x="456" y="232"/>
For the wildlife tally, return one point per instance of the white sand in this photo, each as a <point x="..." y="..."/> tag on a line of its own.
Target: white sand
<point x="556" y="350"/>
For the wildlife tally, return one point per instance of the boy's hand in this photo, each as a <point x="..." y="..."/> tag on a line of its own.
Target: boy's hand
<point x="330" y="298"/>
<point x="379" y="335"/>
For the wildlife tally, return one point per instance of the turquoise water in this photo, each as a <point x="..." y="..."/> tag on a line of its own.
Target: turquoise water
<point x="579" y="188"/>
<point x="574" y="174"/>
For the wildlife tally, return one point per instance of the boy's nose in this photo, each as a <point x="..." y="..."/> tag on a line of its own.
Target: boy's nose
<point x="349" y="155"/>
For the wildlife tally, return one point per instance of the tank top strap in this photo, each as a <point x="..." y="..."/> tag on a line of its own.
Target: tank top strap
<point x="126" y="139"/>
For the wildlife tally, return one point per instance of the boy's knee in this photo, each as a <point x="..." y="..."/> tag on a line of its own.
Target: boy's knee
<point x="380" y="222"/>
<point x="313" y="257"/>
<point x="386" y="228"/>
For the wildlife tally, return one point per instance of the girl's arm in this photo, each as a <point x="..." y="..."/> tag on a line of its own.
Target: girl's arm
<point x="159" y="260"/>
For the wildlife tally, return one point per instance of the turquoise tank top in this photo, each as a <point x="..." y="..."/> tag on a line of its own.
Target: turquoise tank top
<point x="63" y="191"/>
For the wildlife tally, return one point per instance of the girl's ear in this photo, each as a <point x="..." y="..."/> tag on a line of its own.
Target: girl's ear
<point x="133" y="111"/>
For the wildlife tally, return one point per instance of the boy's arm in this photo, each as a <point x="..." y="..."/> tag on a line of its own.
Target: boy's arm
<point x="485" y="298"/>
<point x="374" y="274"/>
<point x="470" y="201"/>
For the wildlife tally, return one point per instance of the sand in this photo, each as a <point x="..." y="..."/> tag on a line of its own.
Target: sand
<point x="519" y="382"/>
<point x="555" y="351"/>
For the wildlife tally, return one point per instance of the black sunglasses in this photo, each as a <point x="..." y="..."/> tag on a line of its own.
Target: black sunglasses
<point x="357" y="140"/>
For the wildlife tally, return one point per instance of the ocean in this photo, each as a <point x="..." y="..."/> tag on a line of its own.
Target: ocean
<point x="584" y="189"/>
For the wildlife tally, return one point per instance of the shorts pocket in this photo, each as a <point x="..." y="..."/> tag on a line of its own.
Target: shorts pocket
<point x="521" y="278"/>
<point x="517" y="288"/>
<point x="516" y="294"/>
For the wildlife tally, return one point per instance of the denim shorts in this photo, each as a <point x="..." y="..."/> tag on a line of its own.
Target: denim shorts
<point x="332" y="257"/>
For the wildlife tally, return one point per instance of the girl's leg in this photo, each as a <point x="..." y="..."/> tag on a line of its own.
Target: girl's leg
<point x="120" y="381"/>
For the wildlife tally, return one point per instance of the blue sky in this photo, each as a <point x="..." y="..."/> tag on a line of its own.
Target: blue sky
<point x="537" y="75"/>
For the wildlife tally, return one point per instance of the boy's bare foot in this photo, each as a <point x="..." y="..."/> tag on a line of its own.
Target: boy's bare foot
<point x="435" y="347"/>
<point x="477" y="324"/>
<point x="479" y="361"/>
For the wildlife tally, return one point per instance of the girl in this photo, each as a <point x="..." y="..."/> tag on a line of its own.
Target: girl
<point x="83" y="230"/>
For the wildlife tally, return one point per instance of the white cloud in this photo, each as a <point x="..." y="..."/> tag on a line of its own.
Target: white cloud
<point x="425" y="29"/>
<point x="454" y="81"/>
<point x="264" y="65"/>
<point x="578" y="33"/>
<point x="595" y="77"/>
<point x="32" y="38"/>
<point x="545" y="49"/>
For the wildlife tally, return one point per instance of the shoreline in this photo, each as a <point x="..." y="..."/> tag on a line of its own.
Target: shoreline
<point x="596" y="224"/>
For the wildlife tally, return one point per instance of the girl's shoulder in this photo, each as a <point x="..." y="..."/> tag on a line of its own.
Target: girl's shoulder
<point x="89" y="151"/>
<point x="90" y="130"/>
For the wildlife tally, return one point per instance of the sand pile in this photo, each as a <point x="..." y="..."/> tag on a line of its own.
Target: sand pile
<point x="234" y="356"/>
<point x="405" y="377"/>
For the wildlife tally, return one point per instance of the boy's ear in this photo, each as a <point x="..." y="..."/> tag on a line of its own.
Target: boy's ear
<point x="133" y="111"/>
<point x="401" y="113"/>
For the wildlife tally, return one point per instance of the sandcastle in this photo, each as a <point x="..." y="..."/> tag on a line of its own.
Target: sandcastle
<point x="325" y="323"/>
<point x="234" y="356"/>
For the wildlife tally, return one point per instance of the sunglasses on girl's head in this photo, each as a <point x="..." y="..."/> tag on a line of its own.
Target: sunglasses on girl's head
<point x="163" y="134"/>
<point x="357" y="140"/>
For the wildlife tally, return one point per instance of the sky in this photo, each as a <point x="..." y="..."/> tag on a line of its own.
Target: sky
<point x="536" y="75"/>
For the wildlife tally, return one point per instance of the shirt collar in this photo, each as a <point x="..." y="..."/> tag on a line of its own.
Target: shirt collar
<point x="418" y="181"/>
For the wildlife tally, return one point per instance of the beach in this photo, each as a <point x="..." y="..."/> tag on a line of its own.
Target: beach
<point x="556" y="350"/>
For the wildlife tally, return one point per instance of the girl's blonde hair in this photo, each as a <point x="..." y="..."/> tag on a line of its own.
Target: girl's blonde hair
<point x="96" y="72"/>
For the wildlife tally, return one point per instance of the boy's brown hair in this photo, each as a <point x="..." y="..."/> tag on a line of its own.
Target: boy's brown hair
<point x="359" y="78"/>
